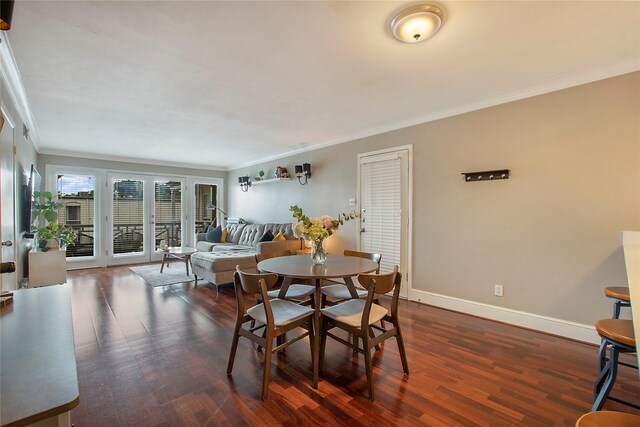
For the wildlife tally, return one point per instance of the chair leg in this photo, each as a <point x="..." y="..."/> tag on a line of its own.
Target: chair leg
<point x="401" y="350"/>
<point x="368" y="366"/>
<point x="267" y="364"/>
<point x="372" y="335"/>
<point x="323" y="342"/>
<point x="354" y="340"/>
<point x="234" y="347"/>
<point x="264" y="335"/>
<point x="616" y="309"/>
<point x="602" y="355"/>
<point x="611" y="370"/>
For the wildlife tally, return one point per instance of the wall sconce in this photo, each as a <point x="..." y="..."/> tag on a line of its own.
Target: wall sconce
<point x="6" y="14"/>
<point x="486" y="175"/>
<point x="303" y="171"/>
<point x="244" y="182"/>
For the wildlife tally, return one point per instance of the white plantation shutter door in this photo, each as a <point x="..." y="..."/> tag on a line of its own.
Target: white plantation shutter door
<point x="381" y="180"/>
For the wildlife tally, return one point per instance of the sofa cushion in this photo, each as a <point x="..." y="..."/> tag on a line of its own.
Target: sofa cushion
<point x="229" y="247"/>
<point x="204" y="246"/>
<point x="249" y="234"/>
<point x="278" y="237"/>
<point x="266" y="237"/>
<point x="214" y="234"/>
<point x="223" y="261"/>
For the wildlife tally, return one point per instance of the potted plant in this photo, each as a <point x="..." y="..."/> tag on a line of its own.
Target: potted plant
<point x="51" y="234"/>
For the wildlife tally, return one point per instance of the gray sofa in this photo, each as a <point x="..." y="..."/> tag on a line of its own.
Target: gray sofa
<point x="216" y="262"/>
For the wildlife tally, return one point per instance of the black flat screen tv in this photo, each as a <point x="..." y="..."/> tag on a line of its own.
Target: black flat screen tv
<point x="34" y="184"/>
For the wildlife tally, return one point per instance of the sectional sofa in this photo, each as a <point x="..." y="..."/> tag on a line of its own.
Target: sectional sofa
<point x="216" y="262"/>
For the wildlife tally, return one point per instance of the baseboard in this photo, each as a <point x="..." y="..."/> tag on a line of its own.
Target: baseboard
<point x="564" y="328"/>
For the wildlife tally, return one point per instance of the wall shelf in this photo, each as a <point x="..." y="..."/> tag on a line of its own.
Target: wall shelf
<point x="269" y="181"/>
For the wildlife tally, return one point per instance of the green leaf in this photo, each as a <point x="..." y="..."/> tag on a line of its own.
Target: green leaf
<point x="50" y="215"/>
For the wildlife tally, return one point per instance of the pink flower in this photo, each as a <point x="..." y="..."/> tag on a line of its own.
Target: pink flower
<point x="327" y="222"/>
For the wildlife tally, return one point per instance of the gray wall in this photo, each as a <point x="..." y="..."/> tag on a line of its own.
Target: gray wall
<point x="25" y="156"/>
<point x="46" y="159"/>
<point x="550" y="234"/>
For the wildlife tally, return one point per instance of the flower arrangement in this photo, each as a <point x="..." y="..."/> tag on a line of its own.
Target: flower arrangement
<point x="317" y="229"/>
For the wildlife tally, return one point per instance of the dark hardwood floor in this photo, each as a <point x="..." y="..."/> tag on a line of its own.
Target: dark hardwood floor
<point x="157" y="357"/>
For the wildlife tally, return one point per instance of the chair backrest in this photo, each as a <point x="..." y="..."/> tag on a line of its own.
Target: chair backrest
<point x="366" y="255"/>
<point x="249" y="283"/>
<point x="253" y="284"/>
<point x="269" y="255"/>
<point x="378" y="284"/>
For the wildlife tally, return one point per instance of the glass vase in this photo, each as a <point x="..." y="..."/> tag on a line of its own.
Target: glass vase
<point x="318" y="253"/>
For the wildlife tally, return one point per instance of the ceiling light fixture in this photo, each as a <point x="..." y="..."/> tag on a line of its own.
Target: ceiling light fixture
<point x="416" y="23"/>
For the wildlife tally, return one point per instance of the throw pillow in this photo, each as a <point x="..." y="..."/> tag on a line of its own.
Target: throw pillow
<point x="266" y="237"/>
<point x="223" y="238"/>
<point x="279" y="236"/>
<point x="214" y="234"/>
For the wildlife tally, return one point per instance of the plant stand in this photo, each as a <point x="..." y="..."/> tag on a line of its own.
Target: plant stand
<point x="47" y="268"/>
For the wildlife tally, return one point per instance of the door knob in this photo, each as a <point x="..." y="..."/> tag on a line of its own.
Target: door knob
<point x="7" y="267"/>
<point x="7" y="243"/>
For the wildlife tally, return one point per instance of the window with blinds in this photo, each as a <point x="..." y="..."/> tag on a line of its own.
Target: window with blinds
<point x="168" y="212"/>
<point x="381" y="198"/>
<point x="128" y="216"/>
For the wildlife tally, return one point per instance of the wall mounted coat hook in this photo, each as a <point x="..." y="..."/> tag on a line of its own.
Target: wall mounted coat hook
<point x="486" y="175"/>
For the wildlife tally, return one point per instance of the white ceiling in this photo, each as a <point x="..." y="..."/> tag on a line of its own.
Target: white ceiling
<point x="222" y="84"/>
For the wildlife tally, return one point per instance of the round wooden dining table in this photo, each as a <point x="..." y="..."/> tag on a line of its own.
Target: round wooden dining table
<point x="301" y="267"/>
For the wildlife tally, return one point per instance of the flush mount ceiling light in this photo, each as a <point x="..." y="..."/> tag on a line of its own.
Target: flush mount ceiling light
<point x="416" y="23"/>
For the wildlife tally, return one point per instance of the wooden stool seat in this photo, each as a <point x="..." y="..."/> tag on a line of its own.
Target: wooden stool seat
<point x="618" y="292"/>
<point x="618" y="330"/>
<point x="608" y="419"/>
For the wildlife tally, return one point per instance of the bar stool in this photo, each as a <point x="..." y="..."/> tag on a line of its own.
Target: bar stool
<point x="620" y="297"/>
<point x="608" y="419"/>
<point x="617" y="334"/>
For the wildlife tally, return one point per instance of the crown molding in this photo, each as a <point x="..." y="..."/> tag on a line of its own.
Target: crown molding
<point x="13" y="83"/>
<point x="552" y="84"/>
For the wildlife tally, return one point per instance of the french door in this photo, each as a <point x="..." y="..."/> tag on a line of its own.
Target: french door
<point x="143" y="212"/>
<point x="385" y="200"/>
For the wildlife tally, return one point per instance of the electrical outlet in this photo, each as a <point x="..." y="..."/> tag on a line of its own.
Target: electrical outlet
<point x="352" y="202"/>
<point x="498" y="290"/>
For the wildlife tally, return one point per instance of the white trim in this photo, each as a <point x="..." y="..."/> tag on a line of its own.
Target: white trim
<point x="551" y="325"/>
<point x="11" y="75"/>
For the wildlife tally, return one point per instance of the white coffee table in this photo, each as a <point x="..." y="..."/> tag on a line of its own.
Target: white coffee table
<point x="179" y="252"/>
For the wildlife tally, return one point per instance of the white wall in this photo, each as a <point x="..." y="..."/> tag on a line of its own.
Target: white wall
<point x="550" y="234"/>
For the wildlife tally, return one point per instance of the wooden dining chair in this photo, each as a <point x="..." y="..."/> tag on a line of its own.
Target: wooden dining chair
<point x="358" y="317"/>
<point x="276" y="316"/>
<point x="296" y="291"/>
<point x="339" y="292"/>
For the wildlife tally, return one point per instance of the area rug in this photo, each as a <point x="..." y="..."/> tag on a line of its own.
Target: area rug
<point x="174" y="273"/>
